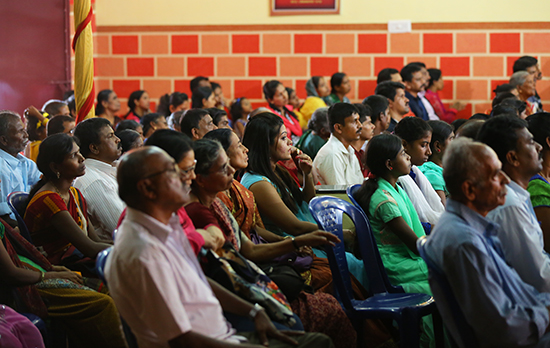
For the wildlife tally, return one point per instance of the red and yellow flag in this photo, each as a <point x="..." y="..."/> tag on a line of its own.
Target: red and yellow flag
<point x="84" y="62"/>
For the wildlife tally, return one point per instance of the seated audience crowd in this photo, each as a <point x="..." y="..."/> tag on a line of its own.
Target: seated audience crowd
<point x="204" y="204"/>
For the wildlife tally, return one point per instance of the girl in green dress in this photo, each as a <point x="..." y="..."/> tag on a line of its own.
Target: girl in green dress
<point x="394" y="220"/>
<point x="442" y="135"/>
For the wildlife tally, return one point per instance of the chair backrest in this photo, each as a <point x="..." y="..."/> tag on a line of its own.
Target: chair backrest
<point x="100" y="261"/>
<point x="328" y="212"/>
<point x="448" y="306"/>
<point x="16" y="202"/>
<point x="328" y="220"/>
<point x="351" y="190"/>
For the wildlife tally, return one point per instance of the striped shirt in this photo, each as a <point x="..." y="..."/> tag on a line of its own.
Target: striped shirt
<point x="100" y="188"/>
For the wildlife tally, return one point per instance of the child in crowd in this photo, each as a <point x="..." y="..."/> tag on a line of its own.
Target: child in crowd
<point x="394" y="220"/>
<point x="416" y="135"/>
<point x="442" y="135"/>
<point x="395" y="223"/>
<point x="36" y="129"/>
<point x="240" y="109"/>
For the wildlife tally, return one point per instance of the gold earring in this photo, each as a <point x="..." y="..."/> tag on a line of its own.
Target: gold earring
<point x="58" y="175"/>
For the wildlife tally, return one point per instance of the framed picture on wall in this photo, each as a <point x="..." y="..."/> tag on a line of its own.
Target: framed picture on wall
<point x="304" y="7"/>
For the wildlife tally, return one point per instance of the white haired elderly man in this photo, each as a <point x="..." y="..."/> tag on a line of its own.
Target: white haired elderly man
<point x="502" y="310"/>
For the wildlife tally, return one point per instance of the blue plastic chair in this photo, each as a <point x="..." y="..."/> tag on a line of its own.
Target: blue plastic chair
<point x="387" y="302"/>
<point x="351" y="190"/>
<point x="374" y="261"/>
<point x="100" y="261"/>
<point x="16" y="202"/>
<point x="448" y="306"/>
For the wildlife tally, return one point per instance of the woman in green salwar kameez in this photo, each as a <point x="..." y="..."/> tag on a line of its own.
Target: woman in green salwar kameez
<point x="395" y="223"/>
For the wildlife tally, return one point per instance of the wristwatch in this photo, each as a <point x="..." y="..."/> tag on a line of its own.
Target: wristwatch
<point x="254" y="311"/>
<point x="294" y="243"/>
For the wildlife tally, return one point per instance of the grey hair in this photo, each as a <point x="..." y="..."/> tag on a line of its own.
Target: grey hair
<point x="319" y="120"/>
<point x="518" y="78"/>
<point x="258" y="111"/>
<point x="462" y="161"/>
<point x="175" y="118"/>
<point x="6" y="116"/>
<point x="207" y="151"/>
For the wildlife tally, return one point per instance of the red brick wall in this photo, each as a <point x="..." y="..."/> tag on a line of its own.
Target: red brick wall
<point x="162" y="60"/>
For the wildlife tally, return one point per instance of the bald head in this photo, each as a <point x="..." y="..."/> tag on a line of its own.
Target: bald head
<point x="136" y="165"/>
<point x="463" y="161"/>
<point x="474" y="176"/>
<point x="470" y="129"/>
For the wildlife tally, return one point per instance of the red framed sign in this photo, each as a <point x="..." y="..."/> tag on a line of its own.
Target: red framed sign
<point x="304" y="7"/>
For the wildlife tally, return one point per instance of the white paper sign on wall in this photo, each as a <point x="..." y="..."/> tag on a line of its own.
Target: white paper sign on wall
<point x="403" y="26"/>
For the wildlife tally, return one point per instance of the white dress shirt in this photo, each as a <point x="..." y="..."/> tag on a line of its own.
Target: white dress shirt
<point x="428" y="106"/>
<point x="100" y="188"/>
<point x="158" y="285"/>
<point x="521" y="238"/>
<point x="336" y="165"/>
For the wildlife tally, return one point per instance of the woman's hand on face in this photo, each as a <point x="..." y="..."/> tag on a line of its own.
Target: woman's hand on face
<point x="302" y="161"/>
<point x="305" y="163"/>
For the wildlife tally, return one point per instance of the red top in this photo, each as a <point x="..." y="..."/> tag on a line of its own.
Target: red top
<point x="439" y="109"/>
<point x="359" y="154"/>
<point x="292" y="124"/>
<point x="132" y="116"/>
<point x="42" y="207"/>
<point x="217" y="215"/>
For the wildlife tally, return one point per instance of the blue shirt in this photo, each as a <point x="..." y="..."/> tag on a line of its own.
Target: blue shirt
<point x="417" y="107"/>
<point x="503" y="310"/>
<point x="521" y="238"/>
<point x="16" y="174"/>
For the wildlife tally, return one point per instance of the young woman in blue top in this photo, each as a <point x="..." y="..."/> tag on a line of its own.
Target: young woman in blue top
<point x="282" y="203"/>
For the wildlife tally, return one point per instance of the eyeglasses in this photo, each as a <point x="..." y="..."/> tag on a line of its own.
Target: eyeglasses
<point x="175" y="170"/>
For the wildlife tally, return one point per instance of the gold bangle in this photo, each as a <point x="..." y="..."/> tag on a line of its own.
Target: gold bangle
<point x="43" y="276"/>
